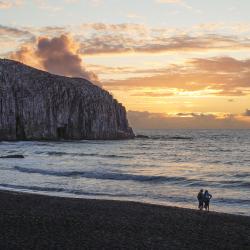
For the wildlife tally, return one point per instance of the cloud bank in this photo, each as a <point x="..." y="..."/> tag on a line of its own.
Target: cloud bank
<point x="147" y="120"/>
<point x="219" y="76"/>
<point x="103" y="39"/>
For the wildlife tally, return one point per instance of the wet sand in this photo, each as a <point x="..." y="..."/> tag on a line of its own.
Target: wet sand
<point x="29" y="221"/>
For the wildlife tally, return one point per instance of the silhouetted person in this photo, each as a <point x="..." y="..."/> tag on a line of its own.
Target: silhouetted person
<point x="207" y="196"/>
<point x="200" y="198"/>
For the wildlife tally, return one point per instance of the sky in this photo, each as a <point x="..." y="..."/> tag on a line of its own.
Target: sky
<point x="171" y="63"/>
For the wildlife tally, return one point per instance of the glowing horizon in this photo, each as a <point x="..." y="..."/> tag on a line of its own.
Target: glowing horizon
<point x="182" y="60"/>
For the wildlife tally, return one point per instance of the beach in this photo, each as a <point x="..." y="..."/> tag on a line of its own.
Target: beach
<point x="32" y="221"/>
<point x="167" y="168"/>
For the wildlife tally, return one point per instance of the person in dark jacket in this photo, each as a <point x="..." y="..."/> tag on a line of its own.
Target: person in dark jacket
<point x="207" y="197"/>
<point x="200" y="198"/>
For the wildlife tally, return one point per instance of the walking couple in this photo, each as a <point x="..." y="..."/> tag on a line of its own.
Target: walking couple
<point x="204" y="199"/>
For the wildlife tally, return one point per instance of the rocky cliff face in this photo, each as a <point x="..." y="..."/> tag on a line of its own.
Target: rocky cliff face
<point x="36" y="105"/>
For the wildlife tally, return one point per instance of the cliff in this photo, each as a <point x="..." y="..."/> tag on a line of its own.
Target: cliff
<point x="36" y="105"/>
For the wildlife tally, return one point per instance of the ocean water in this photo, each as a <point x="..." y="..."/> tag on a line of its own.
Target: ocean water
<point x="169" y="167"/>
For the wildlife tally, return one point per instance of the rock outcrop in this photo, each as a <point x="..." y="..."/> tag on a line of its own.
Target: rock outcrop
<point x="36" y="105"/>
<point x="12" y="157"/>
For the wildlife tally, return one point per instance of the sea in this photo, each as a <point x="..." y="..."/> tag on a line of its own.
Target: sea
<point x="166" y="167"/>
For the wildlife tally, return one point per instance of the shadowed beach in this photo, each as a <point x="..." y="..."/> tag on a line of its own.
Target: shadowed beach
<point x="31" y="221"/>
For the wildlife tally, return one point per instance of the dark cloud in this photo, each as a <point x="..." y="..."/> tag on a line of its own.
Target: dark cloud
<point x="58" y="58"/>
<point x="124" y="43"/>
<point x="57" y="55"/>
<point x="147" y="120"/>
<point x="107" y="44"/>
<point x="10" y="31"/>
<point x="247" y="113"/>
<point x="221" y="64"/>
<point x="230" y="92"/>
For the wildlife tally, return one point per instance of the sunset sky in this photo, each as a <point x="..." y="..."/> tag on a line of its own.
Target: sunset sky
<point x="172" y="63"/>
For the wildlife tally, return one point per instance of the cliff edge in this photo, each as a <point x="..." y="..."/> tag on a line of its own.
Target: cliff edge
<point x="36" y="105"/>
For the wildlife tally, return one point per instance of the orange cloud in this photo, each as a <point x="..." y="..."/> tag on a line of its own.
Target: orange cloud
<point x="26" y="54"/>
<point x="223" y="76"/>
<point x="153" y="94"/>
<point x="7" y="4"/>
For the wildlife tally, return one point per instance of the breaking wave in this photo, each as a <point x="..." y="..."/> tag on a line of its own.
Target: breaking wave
<point x="165" y="137"/>
<point x="132" y="177"/>
<point x="58" y="153"/>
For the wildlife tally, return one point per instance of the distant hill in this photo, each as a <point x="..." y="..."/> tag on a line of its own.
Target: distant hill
<point x="36" y="105"/>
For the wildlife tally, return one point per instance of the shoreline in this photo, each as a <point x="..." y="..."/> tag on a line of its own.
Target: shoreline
<point x="83" y="197"/>
<point x="37" y="221"/>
